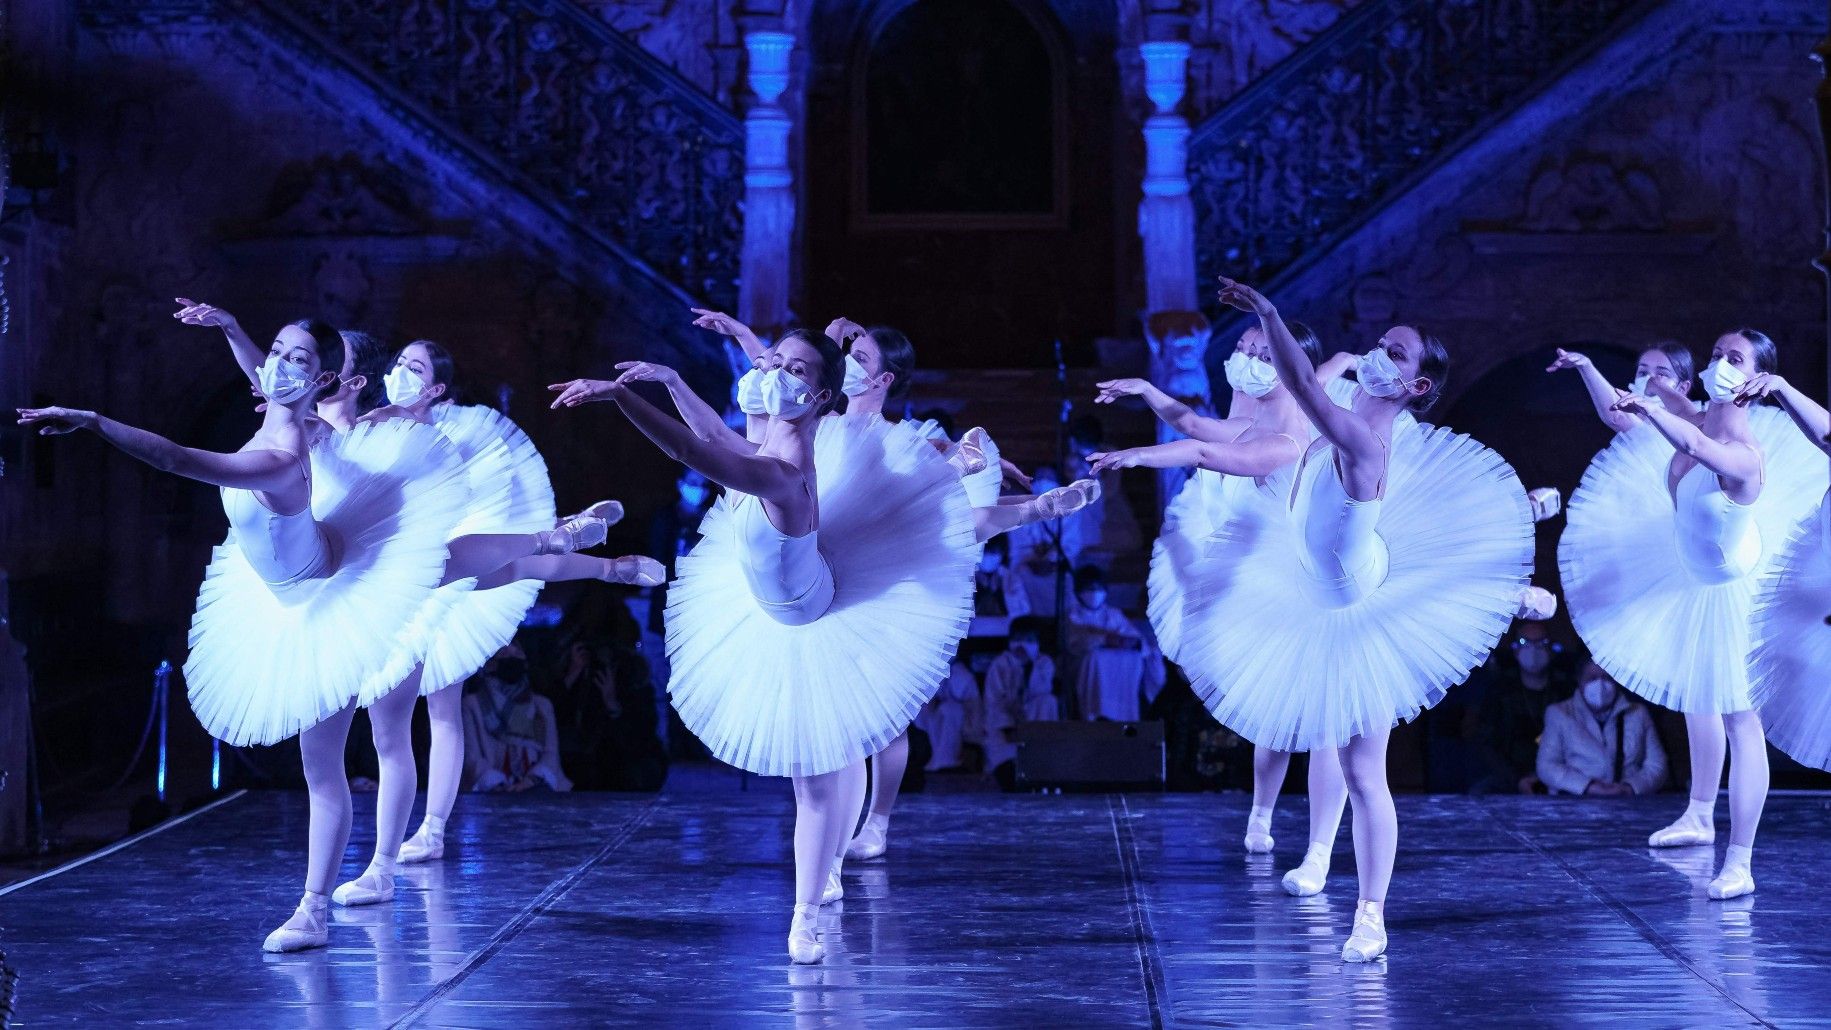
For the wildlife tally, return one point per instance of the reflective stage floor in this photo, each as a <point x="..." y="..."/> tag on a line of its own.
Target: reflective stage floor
<point x="1137" y="910"/>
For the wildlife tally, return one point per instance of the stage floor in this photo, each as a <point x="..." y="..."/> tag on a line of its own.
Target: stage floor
<point x="1136" y="910"/>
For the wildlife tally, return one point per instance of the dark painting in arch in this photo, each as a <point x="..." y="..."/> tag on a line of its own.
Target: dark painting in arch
<point x="960" y="114"/>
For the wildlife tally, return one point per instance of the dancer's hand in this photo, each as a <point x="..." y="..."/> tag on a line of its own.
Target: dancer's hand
<point x="646" y="372"/>
<point x="1632" y="403"/>
<point x="1763" y="384"/>
<point x="718" y="322"/>
<point x="1014" y="475"/>
<point x="1100" y="461"/>
<point x="1237" y="294"/>
<point x="56" y="421"/>
<point x="843" y="330"/>
<point x="1568" y="359"/>
<point x="581" y="391"/>
<point x="193" y="313"/>
<point x="1113" y="389"/>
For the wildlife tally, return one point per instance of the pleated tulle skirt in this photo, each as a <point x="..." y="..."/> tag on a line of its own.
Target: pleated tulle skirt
<point x="896" y="531"/>
<point x="1790" y="673"/>
<point x="1672" y="639"/>
<point x="267" y="662"/>
<point x="512" y="494"/>
<point x="1284" y="670"/>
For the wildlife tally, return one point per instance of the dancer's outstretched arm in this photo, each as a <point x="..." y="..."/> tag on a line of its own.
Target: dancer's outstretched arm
<point x="724" y="324"/>
<point x="1729" y="460"/>
<point x="1602" y="393"/>
<point x="1174" y="413"/>
<point x="705" y="422"/>
<point x="1349" y="432"/>
<point x="1811" y="417"/>
<point x="243" y="470"/>
<point x="770" y="478"/>
<point x="1260" y="457"/>
<point x="248" y="354"/>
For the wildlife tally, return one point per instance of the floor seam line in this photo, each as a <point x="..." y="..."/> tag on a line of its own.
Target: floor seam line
<point x="1150" y="966"/>
<point x="121" y="845"/>
<point x="529" y="912"/>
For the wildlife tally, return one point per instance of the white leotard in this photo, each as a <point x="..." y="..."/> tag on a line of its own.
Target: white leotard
<point x="1717" y="538"/>
<point x="1339" y="545"/>
<point x="283" y="549"/>
<point x="787" y="575"/>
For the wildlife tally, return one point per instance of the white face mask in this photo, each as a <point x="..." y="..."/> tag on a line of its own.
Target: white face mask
<point x="1599" y="695"/>
<point x="1379" y="376"/>
<point x="857" y="379"/>
<point x="404" y="386"/>
<point x="1251" y="376"/>
<point x="281" y="381"/>
<point x="1721" y="380"/>
<point x="750" y="392"/>
<point x="784" y="396"/>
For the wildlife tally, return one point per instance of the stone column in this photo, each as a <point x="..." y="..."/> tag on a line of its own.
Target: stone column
<point x="1174" y="326"/>
<point x="769" y="197"/>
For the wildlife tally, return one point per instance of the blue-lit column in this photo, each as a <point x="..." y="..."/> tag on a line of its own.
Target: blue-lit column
<point x="769" y="198"/>
<point x="1166" y="218"/>
<point x="1174" y="326"/>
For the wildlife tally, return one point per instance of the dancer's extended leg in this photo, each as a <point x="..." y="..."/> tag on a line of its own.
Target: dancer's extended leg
<point x="1328" y="795"/>
<point x="391" y="720"/>
<point x="1708" y="743"/>
<point x="328" y="788"/>
<point x="1376" y="841"/>
<point x="1748" y="778"/>
<point x="816" y="809"/>
<point x="887" y="769"/>
<point x="851" y="800"/>
<point x="444" y="770"/>
<point x="1269" y="767"/>
<point x="634" y="570"/>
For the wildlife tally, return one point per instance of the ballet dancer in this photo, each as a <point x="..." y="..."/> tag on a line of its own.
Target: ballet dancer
<point x="881" y="366"/>
<point x="831" y="583"/>
<point x="468" y="619"/>
<point x="330" y="551"/>
<point x="1263" y="437"/>
<point x="1792" y="639"/>
<point x="1668" y="538"/>
<point x="1668" y="364"/>
<point x="471" y="551"/>
<point x="1396" y="565"/>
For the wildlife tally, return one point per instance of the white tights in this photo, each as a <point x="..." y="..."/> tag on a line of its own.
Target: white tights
<point x="1328" y="791"/>
<point x="328" y="787"/>
<point x="824" y="809"/>
<point x="1376" y="823"/>
<point x="1739" y="734"/>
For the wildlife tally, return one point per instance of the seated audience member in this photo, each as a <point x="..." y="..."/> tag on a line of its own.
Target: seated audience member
<point x="951" y="718"/>
<point x="511" y="738"/>
<point x="1109" y="655"/>
<point x="1523" y="677"/>
<point x="604" y="698"/>
<point x="997" y="590"/>
<point x="1019" y="687"/>
<point x="1600" y="742"/>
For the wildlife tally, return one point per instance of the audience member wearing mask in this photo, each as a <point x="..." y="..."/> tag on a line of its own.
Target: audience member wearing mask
<point x="1109" y="653"/>
<point x="997" y="591"/>
<point x="1033" y="547"/>
<point x="1524" y="678"/>
<point x="1019" y="687"/>
<point x="511" y="738"/>
<point x="1600" y="742"/>
<point x="951" y="718"/>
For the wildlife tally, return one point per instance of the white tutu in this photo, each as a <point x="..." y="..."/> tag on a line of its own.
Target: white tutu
<point x="1187" y="522"/>
<point x="1280" y="669"/>
<point x="511" y="494"/>
<point x="1665" y="636"/>
<point x="1198" y="508"/>
<point x="1790" y="673"/>
<point x="267" y="662"/>
<point x="897" y="533"/>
